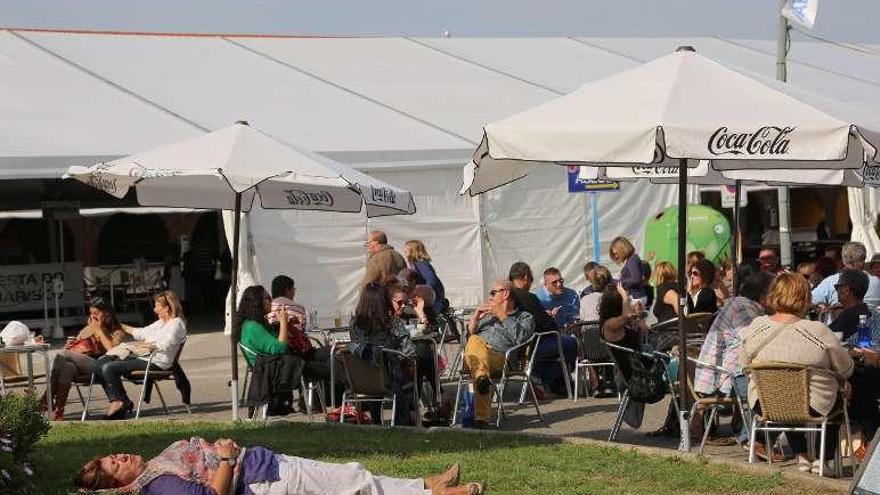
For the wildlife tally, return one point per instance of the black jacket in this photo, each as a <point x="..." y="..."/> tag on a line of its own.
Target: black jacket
<point x="180" y="380"/>
<point x="529" y="303"/>
<point x="273" y="376"/>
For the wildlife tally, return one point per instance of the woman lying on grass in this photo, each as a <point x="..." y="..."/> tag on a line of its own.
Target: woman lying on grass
<point x="198" y="467"/>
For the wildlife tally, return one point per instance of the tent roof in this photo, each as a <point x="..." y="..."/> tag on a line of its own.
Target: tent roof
<point x="78" y="98"/>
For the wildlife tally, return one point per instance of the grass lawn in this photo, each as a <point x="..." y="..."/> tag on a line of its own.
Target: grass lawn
<point x="507" y="464"/>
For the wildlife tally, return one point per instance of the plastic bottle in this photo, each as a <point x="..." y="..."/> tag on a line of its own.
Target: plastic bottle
<point x="864" y="333"/>
<point x="466" y="408"/>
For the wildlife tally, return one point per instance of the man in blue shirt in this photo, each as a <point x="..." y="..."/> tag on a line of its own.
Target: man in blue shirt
<point x="854" y="255"/>
<point x="563" y="305"/>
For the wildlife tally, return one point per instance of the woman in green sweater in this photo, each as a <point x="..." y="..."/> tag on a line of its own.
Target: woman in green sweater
<point x="251" y="328"/>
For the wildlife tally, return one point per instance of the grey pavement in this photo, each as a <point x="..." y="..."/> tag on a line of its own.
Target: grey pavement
<point x="207" y="364"/>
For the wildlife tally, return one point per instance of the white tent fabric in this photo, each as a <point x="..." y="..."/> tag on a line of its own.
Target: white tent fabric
<point x="863" y="220"/>
<point x="406" y="110"/>
<point x="247" y="261"/>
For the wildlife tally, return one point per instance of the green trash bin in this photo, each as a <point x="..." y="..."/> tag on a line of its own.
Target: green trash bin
<point x="707" y="231"/>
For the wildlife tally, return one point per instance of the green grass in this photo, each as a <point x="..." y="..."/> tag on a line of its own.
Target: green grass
<point x="507" y="464"/>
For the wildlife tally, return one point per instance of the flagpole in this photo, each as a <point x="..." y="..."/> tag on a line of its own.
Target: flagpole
<point x="784" y="204"/>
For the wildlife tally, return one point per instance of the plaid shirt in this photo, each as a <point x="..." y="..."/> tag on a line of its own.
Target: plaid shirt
<point x="722" y="345"/>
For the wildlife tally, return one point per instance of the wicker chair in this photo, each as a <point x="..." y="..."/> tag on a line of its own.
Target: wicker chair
<point x="784" y="394"/>
<point x="696" y="327"/>
<point x="593" y="351"/>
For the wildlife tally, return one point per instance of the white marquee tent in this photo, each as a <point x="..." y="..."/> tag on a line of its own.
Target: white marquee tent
<point x="407" y="110"/>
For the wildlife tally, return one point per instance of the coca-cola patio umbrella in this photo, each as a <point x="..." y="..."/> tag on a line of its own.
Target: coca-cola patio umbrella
<point x="228" y="169"/>
<point x="674" y="112"/>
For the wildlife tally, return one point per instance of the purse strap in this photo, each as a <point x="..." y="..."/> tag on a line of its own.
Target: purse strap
<point x="772" y="337"/>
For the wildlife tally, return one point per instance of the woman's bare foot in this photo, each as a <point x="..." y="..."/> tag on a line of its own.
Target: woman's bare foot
<point x="114" y="408"/>
<point x="467" y="489"/>
<point x="447" y="478"/>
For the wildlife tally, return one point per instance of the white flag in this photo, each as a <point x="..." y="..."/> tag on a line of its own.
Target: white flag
<point x="802" y="12"/>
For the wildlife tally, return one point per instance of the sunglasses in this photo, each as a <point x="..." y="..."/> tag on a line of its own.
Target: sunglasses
<point x="398" y="302"/>
<point x="695" y="273"/>
<point x="557" y="282"/>
<point x="495" y="291"/>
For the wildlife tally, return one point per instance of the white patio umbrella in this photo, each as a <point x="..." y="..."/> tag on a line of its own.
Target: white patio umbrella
<point x="676" y="111"/>
<point x="227" y="169"/>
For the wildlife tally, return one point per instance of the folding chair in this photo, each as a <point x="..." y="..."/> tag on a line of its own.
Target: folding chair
<point x="624" y="361"/>
<point x="593" y="351"/>
<point x="368" y="382"/>
<point x="518" y="362"/>
<point x="784" y="395"/>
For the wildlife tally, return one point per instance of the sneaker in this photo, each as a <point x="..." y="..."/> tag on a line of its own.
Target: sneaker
<point x="483" y="385"/>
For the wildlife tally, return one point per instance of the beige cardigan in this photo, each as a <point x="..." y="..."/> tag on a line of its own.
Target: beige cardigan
<point x="804" y="342"/>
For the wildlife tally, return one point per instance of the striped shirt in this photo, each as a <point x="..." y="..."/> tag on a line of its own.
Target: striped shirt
<point x="804" y="342"/>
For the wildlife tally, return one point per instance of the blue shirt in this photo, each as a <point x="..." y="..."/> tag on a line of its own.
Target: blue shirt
<point x="569" y="304"/>
<point x="825" y="293"/>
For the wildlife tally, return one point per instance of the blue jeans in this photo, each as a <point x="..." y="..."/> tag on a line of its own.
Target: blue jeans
<point x="546" y="366"/>
<point x="742" y="387"/>
<point x="109" y="372"/>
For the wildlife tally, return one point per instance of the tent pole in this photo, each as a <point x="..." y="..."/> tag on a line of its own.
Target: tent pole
<point x="233" y="295"/>
<point x="737" y="235"/>
<point x="684" y="419"/>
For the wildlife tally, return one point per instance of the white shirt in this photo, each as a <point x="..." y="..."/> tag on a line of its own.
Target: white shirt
<point x="825" y="293"/>
<point x="167" y="336"/>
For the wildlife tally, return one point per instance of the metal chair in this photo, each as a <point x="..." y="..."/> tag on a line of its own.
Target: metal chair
<point x="784" y="394"/>
<point x="696" y="327"/>
<point x="150" y="374"/>
<point x="449" y="327"/>
<point x="518" y="362"/>
<point x="628" y="355"/>
<point x="368" y="382"/>
<point x="308" y="389"/>
<point x="559" y="358"/>
<point x="593" y="351"/>
<point x="716" y="403"/>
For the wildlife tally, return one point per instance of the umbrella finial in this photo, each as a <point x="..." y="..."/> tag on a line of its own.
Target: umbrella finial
<point x="242" y="122"/>
<point x="686" y="48"/>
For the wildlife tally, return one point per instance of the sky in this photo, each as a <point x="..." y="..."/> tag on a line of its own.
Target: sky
<point x="840" y="20"/>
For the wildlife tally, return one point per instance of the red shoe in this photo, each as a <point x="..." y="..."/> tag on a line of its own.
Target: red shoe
<point x="861" y="452"/>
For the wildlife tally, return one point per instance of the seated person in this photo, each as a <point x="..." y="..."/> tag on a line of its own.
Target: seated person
<point x="588" y="269"/>
<point x="666" y="294"/>
<point x="722" y="343"/>
<point x="701" y="294"/>
<point x="563" y="305"/>
<point x="198" y="467"/>
<point x="600" y="278"/>
<point x="865" y="388"/>
<point x="375" y="327"/>
<point x="105" y="333"/>
<point x="251" y="328"/>
<point x="496" y="326"/>
<point x="520" y="276"/>
<point x="164" y="336"/>
<point x="851" y="287"/>
<point x="788" y="337"/>
<point x="317" y="359"/>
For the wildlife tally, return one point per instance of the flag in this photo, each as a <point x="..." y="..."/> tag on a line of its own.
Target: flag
<point x="801" y="12"/>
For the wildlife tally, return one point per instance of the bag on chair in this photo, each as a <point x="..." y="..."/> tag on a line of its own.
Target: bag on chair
<point x="647" y="384"/>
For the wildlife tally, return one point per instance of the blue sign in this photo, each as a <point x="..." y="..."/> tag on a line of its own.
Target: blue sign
<point x="579" y="185"/>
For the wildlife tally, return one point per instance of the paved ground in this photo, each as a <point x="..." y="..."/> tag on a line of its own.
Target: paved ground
<point x="206" y="362"/>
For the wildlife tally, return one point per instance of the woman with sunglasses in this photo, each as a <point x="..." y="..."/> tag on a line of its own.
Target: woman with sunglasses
<point x="701" y="295"/>
<point x="375" y="327"/>
<point x="164" y="337"/>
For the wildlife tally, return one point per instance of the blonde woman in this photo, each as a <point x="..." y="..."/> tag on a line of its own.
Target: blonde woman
<point x="787" y="337"/>
<point x="418" y="259"/>
<point x="623" y="253"/>
<point x="165" y="335"/>
<point x="666" y="283"/>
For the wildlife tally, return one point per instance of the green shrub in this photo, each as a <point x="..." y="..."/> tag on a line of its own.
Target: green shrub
<point x="21" y="427"/>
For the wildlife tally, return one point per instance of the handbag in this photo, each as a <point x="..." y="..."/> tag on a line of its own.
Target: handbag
<point x="87" y="346"/>
<point x="647" y="383"/>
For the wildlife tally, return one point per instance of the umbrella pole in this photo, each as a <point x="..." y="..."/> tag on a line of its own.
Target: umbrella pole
<point x="737" y="236"/>
<point x="233" y="293"/>
<point x="684" y="418"/>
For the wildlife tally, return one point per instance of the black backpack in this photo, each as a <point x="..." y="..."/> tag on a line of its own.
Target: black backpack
<point x="647" y="383"/>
